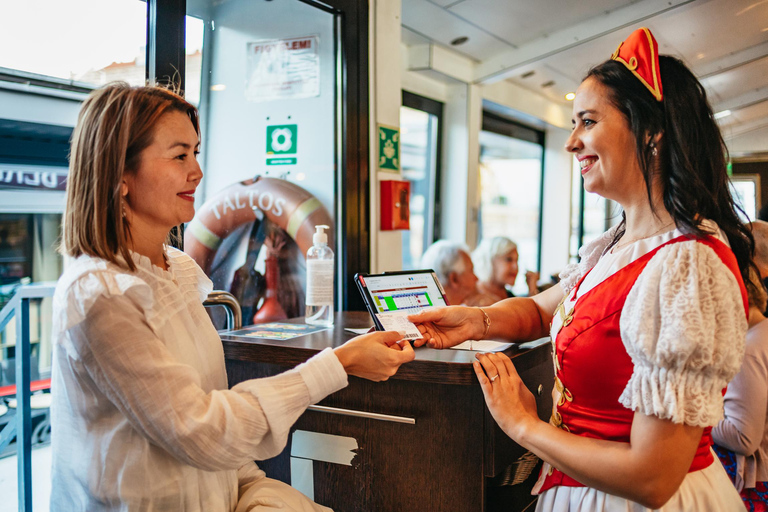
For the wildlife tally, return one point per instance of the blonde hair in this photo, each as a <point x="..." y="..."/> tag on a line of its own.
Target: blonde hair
<point x="116" y="123"/>
<point x="487" y="250"/>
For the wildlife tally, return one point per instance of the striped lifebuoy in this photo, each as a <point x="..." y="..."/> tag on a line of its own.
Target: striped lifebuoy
<point x="289" y="206"/>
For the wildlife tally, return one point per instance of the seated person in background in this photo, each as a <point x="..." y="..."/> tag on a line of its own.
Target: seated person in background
<point x="741" y="438"/>
<point x="495" y="261"/>
<point x="453" y="266"/>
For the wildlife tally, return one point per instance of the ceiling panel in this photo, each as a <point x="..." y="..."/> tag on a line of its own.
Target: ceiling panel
<point x="444" y="3"/>
<point x="441" y="26"/>
<point x="749" y="114"/>
<point x="411" y="38"/>
<point x="522" y="21"/>
<point x="706" y="31"/>
<point x="539" y="82"/>
<point x="680" y="33"/>
<point x="734" y="83"/>
<point x="706" y="34"/>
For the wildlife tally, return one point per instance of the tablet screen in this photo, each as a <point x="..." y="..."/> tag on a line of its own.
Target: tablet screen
<point x="404" y="291"/>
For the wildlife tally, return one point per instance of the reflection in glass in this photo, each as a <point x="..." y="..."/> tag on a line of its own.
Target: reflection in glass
<point x="510" y="192"/>
<point x="266" y="80"/>
<point x="418" y="147"/>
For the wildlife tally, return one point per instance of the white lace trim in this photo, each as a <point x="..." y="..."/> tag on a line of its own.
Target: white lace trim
<point x="684" y="326"/>
<point x="159" y="293"/>
<point x="589" y="254"/>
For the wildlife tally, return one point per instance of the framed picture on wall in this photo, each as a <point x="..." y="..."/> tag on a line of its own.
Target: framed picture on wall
<point x="746" y="192"/>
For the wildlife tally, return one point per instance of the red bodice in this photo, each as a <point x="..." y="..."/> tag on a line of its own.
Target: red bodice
<point x="592" y="367"/>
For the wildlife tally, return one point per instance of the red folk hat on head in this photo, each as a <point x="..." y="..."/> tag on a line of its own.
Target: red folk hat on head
<point x="640" y="54"/>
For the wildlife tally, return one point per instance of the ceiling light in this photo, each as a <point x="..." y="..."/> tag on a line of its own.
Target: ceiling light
<point x="722" y="114"/>
<point x="459" y="40"/>
<point x="528" y="74"/>
<point x="218" y="87"/>
<point x="570" y="96"/>
<point x="700" y="56"/>
<point x="547" y="84"/>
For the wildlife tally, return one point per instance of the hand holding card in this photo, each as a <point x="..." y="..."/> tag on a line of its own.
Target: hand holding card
<point x="398" y="321"/>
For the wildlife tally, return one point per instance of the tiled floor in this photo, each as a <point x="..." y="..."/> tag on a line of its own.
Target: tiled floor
<point x="41" y="481"/>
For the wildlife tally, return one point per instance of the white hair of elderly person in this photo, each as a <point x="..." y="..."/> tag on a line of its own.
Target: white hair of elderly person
<point x="454" y="269"/>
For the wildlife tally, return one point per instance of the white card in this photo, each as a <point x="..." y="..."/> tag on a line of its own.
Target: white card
<point x="397" y="321"/>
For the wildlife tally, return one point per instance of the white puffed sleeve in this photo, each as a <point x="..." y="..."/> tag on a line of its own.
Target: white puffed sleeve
<point x="684" y="326"/>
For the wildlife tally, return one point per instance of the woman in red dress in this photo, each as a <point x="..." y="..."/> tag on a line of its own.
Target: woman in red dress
<point x="649" y="327"/>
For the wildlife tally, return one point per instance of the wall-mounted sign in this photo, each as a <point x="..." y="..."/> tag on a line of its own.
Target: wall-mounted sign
<point x="17" y="178"/>
<point x="389" y="148"/>
<point x="282" y="140"/>
<point x="283" y="69"/>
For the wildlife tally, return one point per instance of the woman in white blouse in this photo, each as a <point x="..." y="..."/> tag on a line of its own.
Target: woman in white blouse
<point x="142" y="418"/>
<point x="649" y="327"/>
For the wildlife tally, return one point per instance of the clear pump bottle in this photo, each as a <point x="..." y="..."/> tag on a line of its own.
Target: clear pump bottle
<point x="320" y="270"/>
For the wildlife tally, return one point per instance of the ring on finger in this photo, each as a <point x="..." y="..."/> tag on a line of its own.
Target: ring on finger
<point x="494" y="377"/>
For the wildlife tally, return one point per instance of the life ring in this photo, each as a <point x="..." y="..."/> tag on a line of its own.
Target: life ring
<point x="289" y="206"/>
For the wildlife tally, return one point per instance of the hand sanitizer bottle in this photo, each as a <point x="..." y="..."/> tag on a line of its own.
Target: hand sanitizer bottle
<point x="320" y="269"/>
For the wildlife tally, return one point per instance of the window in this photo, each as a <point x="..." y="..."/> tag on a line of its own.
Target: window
<point x="511" y="171"/>
<point x="591" y="214"/>
<point x="89" y="42"/>
<point x="420" y="145"/>
<point x="745" y="189"/>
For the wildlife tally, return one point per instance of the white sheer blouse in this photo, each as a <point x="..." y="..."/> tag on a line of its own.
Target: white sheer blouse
<point x="142" y="417"/>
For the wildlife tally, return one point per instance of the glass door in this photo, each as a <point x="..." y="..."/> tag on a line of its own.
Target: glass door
<point x="420" y="126"/>
<point x="268" y="80"/>
<point x="511" y="169"/>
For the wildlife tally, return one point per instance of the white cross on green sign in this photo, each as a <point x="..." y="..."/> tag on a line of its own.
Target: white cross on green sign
<point x="282" y="140"/>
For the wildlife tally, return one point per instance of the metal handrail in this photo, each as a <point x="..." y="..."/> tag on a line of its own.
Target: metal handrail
<point x="230" y="304"/>
<point x="22" y="427"/>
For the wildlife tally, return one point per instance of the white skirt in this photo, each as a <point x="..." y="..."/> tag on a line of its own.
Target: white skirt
<point x="707" y="490"/>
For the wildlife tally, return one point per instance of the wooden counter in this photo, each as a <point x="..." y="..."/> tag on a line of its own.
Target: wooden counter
<point x="434" y="445"/>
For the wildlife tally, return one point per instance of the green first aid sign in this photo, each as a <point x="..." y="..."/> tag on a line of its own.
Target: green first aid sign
<point x="282" y="140"/>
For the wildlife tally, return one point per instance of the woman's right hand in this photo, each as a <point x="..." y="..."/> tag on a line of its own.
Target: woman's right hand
<point x="375" y="356"/>
<point x="445" y="327"/>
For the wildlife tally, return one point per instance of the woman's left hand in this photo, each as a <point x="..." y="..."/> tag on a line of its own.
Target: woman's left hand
<point x="512" y="405"/>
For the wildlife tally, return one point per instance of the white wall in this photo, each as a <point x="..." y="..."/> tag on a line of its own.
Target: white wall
<point x="385" y="100"/>
<point x="459" y="195"/>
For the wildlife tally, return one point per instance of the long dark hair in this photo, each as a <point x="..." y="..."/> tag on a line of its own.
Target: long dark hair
<point x="692" y="152"/>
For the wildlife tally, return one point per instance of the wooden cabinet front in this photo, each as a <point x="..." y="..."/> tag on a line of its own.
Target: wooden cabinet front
<point x="424" y="439"/>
